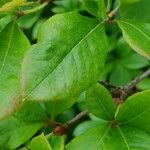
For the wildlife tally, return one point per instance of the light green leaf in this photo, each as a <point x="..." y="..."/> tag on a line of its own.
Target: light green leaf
<point x="139" y="10"/>
<point x="8" y="7"/>
<point x="144" y="84"/>
<point x="135" y="61"/>
<point x="19" y="128"/>
<point x="86" y="125"/>
<point x="2" y="2"/>
<point x="135" y="111"/>
<point x="100" y="103"/>
<point x="111" y="138"/>
<point x="13" y="45"/>
<point x="137" y="35"/>
<point x="40" y="143"/>
<point x="64" y="57"/>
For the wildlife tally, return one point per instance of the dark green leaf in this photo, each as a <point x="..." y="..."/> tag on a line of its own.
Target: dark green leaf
<point x="60" y="65"/>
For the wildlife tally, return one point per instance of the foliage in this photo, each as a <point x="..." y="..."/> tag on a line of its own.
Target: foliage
<point x="74" y="74"/>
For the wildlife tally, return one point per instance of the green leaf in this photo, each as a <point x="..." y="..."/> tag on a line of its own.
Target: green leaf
<point x="54" y="108"/>
<point x="135" y="111"/>
<point x="13" y="45"/>
<point x="40" y="143"/>
<point x="135" y="61"/>
<point x="5" y="21"/>
<point x="2" y="2"/>
<point x="144" y="84"/>
<point x="57" y="142"/>
<point x="19" y="128"/>
<point x="138" y="10"/>
<point x="111" y="138"/>
<point x="100" y="103"/>
<point x="95" y="7"/>
<point x="64" y="58"/>
<point x="137" y="35"/>
<point x="86" y="125"/>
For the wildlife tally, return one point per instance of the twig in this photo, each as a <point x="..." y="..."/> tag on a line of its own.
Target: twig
<point x="127" y="88"/>
<point x="121" y="92"/>
<point x="62" y="129"/>
<point x="113" y="12"/>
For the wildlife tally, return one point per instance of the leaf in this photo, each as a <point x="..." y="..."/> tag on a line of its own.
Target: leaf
<point x="139" y="10"/>
<point x="40" y="143"/>
<point x="64" y="58"/>
<point x="57" y="142"/>
<point x="10" y="6"/>
<point x="54" y="108"/>
<point x="86" y="125"/>
<point x="95" y="7"/>
<point x="2" y="2"/>
<point x="5" y="21"/>
<point x="135" y="61"/>
<point x="13" y="45"/>
<point x="137" y="35"/>
<point x="111" y="138"/>
<point x="100" y="103"/>
<point x="135" y="111"/>
<point x="20" y="127"/>
<point x="144" y="84"/>
<point x="130" y="1"/>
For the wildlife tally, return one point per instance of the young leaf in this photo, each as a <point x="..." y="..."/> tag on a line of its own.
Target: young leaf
<point x="60" y="64"/>
<point x="137" y="35"/>
<point x="135" y="111"/>
<point x="100" y="102"/>
<point x="13" y="46"/>
<point x="40" y="143"/>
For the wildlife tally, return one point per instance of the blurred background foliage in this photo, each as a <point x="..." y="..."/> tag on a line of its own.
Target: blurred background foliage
<point x="122" y="64"/>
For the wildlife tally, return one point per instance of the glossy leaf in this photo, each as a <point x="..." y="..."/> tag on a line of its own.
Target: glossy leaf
<point x="137" y="35"/>
<point x="13" y="46"/>
<point x="64" y="58"/>
<point x="19" y="128"/>
<point x="40" y="143"/>
<point x="111" y="138"/>
<point x="100" y="103"/>
<point x="135" y="111"/>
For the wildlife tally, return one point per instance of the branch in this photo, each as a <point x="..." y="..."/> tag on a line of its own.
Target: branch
<point x="127" y="88"/>
<point x="120" y="93"/>
<point x="62" y="129"/>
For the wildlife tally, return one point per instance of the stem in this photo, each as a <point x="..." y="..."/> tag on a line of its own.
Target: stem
<point x="109" y="4"/>
<point x="26" y="12"/>
<point x="113" y="12"/>
<point x="62" y="129"/>
<point x="127" y="88"/>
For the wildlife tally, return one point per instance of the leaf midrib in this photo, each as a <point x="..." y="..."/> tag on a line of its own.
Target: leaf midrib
<point x="8" y="48"/>
<point x="124" y="138"/>
<point x="91" y="31"/>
